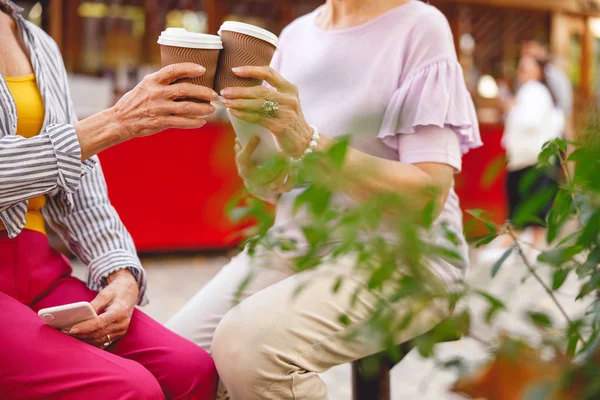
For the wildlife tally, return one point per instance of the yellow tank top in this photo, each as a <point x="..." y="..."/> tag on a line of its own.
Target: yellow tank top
<point x="30" y="118"/>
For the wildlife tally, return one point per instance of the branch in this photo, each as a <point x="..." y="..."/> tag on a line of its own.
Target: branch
<point x="537" y="277"/>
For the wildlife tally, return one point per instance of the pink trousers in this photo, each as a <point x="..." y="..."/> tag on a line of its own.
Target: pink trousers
<point x="38" y="362"/>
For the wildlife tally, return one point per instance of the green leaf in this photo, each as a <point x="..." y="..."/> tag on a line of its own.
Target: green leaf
<point x="315" y="234"/>
<point x="590" y="231"/>
<point x="560" y="255"/>
<point x="495" y="305"/>
<point x="239" y="213"/>
<point x="344" y="320"/>
<point x="540" y="319"/>
<point x="429" y="213"/>
<point x="573" y="336"/>
<point x="568" y="238"/>
<point x="457" y="363"/>
<point x="572" y="341"/>
<point x="450" y="234"/>
<point x="494" y="301"/>
<point x="425" y="345"/>
<point x="477" y="213"/>
<point x="239" y="293"/>
<point x="469" y="226"/>
<point x="561" y="144"/>
<point x="493" y="171"/>
<point x="528" y="210"/>
<point x="529" y="179"/>
<point x="501" y="261"/>
<point x="548" y="151"/>
<point x="316" y="198"/>
<point x="337" y="284"/>
<point x="336" y="154"/>
<point x="559" y="277"/>
<point x="559" y="214"/>
<point x="486" y="239"/>
<point x="579" y="155"/>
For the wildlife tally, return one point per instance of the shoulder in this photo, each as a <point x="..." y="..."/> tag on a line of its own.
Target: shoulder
<point x="297" y="26"/>
<point x="429" y="37"/>
<point x="431" y="20"/>
<point x="45" y="45"/>
<point x="40" y="36"/>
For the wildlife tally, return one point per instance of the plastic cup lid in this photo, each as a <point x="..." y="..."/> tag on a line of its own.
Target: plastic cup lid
<point x="181" y="38"/>
<point x="250" y="30"/>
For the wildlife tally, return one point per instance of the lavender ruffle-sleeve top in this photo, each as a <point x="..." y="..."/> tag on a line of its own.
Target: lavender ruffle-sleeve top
<point x="395" y="86"/>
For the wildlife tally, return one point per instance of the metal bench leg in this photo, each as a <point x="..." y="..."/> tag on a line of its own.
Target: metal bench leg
<point x="376" y="387"/>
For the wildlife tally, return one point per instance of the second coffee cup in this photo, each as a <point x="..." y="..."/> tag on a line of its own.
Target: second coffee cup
<point x="243" y="45"/>
<point x="177" y="45"/>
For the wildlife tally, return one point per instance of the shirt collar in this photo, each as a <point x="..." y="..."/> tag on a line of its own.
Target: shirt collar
<point x="14" y="9"/>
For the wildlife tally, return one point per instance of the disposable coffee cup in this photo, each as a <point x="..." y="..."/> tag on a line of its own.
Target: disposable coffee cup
<point x="243" y="45"/>
<point x="177" y="45"/>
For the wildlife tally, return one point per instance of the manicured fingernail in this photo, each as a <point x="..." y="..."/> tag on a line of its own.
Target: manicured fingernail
<point x="201" y="69"/>
<point x="225" y="92"/>
<point x="74" y="331"/>
<point x="215" y="96"/>
<point x="237" y="69"/>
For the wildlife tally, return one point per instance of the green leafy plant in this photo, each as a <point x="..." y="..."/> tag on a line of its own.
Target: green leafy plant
<point x="396" y="264"/>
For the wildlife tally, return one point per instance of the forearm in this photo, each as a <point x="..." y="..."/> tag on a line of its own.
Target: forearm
<point x="98" y="133"/>
<point x="364" y="177"/>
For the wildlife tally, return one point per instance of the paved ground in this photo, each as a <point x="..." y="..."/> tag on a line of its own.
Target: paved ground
<point x="173" y="280"/>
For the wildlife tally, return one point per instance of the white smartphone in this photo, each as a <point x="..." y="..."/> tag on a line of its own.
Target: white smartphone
<point x="65" y="316"/>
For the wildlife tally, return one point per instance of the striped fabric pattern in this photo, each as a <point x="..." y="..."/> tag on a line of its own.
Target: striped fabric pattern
<point x="77" y="207"/>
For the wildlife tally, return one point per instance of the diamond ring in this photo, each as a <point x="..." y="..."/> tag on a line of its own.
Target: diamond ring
<point x="270" y="108"/>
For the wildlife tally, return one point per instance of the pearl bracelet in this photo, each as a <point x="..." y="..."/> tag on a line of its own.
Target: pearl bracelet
<point x="312" y="145"/>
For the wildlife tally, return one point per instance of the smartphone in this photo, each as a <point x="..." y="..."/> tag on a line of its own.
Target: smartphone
<point x="65" y="316"/>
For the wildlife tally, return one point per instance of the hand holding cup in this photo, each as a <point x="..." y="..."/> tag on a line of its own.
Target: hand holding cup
<point x="153" y="106"/>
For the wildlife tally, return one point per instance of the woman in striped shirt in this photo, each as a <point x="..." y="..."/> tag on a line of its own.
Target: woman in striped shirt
<point x="49" y="175"/>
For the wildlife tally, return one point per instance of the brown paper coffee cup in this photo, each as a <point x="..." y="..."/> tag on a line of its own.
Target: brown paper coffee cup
<point x="179" y="46"/>
<point x="209" y="59"/>
<point x="239" y="50"/>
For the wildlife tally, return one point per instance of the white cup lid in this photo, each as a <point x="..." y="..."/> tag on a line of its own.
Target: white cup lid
<point x="181" y="38"/>
<point x="250" y="30"/>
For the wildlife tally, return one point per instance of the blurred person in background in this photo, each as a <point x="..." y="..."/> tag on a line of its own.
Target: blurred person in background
<point x="405" y="103"/>
<point x="557" y="81"/>
<point x="533" y="118"/>
<point x="50" y="176"/>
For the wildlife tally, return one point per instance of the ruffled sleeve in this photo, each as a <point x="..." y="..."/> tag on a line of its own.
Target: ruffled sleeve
<point x="434" y="95"/>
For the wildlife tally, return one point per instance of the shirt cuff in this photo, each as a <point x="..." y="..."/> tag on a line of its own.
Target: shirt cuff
<point x="102" y="267"/>
<point x="65" y="142"/>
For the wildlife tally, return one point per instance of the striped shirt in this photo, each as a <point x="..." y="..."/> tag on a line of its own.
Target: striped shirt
<point x="78" y="208"/>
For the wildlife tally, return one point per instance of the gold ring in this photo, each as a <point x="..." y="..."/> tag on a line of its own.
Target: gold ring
<point x="108" y="341"/>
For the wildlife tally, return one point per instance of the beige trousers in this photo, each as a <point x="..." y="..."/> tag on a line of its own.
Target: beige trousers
<point x="276" y="342"/>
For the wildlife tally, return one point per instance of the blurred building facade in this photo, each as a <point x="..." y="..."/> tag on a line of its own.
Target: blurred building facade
<point x="109" y="45"/>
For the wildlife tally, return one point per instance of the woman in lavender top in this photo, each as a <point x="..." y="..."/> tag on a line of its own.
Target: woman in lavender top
<point x="386" y="72"/>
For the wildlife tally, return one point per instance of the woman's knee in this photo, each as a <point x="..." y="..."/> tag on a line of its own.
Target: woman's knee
<point x="240" y="352"/>
<point x="134" y="384"/>
<point x="188" y="371"/>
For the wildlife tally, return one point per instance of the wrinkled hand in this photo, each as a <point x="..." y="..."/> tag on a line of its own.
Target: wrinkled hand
<point x="265" y="185"/>
<point x="114" y="306"/>
<point x="288" y="125"/>
<point x="151" y="106"/>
